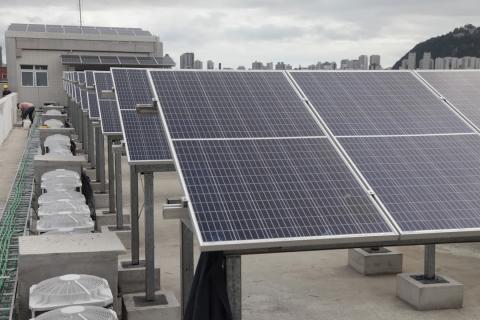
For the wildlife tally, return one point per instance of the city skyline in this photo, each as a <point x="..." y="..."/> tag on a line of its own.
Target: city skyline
<point x="239" y="32"/>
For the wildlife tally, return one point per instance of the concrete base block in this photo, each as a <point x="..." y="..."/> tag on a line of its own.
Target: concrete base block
<point x="166" y="307"/>
<point x="96" y="186"/>
<point x="441" y="293"/>
<point x="374" y="262"/>
<point x="124" y="234"/>
<point x="101" y="200"/>
<point x="104" y="218"/>
<point x="92" y="173"/>
<point x="131" y="278"/>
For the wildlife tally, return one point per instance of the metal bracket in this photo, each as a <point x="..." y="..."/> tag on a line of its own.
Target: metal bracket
<point x="174" y="209"/>
<point x="147" y="108"/>
<point x="108" y="94"/>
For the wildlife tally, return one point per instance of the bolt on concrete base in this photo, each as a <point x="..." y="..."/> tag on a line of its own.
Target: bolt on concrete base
<point x="131" y="278"/>
<point x="422" y="294"/>
<point x="104" y="218"/>
<point x="375" y="261"/>
<point x="165" y="307"/>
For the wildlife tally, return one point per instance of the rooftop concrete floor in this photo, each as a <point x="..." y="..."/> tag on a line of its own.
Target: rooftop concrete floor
<point x="316" y="285"/>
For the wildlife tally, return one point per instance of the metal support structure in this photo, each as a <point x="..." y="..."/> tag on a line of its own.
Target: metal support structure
<point x="91" y="144"/>
<point x="149" y="239"/>
<point x="118" y="150"/>
<point x="186" y="263"/>
<point x="79" y="126"/>
<point x="135" y="232"/>
<point x="100" y="157"/>
<point x="111" y="175"/>
<point x="85" y="131"/>
<point x="233" y="267"/>
<point x="429" y="267"/>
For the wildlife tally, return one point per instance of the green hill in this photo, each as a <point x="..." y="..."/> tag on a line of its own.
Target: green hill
<point x="461" y="42"/>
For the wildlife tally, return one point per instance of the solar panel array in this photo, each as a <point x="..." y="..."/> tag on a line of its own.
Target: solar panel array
<point x="257" y="167"/>
<point x="143" y="133"/>
<point x="78" y="30"/>
<point x="411" y="165"/>
<point x="110" y="120"/>
<point x="460" y="88"/>
<point x="92" y="60"/>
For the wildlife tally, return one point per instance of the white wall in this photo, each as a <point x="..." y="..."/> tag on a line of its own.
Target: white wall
<point x="8" y="115"/>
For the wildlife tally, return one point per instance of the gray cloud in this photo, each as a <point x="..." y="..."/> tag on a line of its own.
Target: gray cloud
<point x="240" y="31"/>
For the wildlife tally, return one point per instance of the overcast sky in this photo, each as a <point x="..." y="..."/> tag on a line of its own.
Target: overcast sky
<point x="237" y="32"/>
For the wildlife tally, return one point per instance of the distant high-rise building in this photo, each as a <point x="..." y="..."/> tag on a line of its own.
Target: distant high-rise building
<point x="412" y="60"/>
<point x="439" y="63"/>
<point x="329" y="66"/>
<point x="355" y="64"/>
<point x="468" y="62"/>
<point x="404" y="64"/>
<point x="280" y="66"/>
<point x="241" y="68"/>
<point x="219" y="66"/>
<point x="312" y="67"/>
<point x="210" y="65"/>
<point x="375" y="62"/>
<point x="1" y="59"/>
<point x="197" y="64"/>
<point x="344" y="64"/>
<point x="187" y="60"/>
<point x="363" y="59"/>
<point x="269" y="66"/>
<point x="257" y="65"/>
<point x="426" y="63"/>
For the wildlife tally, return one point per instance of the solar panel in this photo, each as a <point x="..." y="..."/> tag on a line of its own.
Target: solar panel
<point x="81" y="77"/>
<point x="78" y="94"/>
<point x="124" y="31"/>
<point x="111" y="60"/>
<point x="460" y="88"/>
<point x="17" y="27"/>
<point x="377" y="103"/>
<point x="128" y="60"/>
<point x="106" y="30"/>
<point x="90" y="30"/>
<point x="232" y="105"/>
<point x="72" y="29"/>
<point x="144" y="135"/>
<point x="89" y="78"/>
<point x="36" y="28"/>
<point x="110" y="120"/>
<point x="142" y="33"/>
<point x="146" y="61"/>
<point x="70" y="59"/>
<point x="90" y="59"/>
<point x="84" y="99"/>
<point x="428" y="183"/>
<point x="93" y="112"/>
<point x="54" y="28"/>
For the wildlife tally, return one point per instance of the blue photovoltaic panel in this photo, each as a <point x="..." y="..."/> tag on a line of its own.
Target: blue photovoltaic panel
<point x="84" y="99"/>
<point x="426" y="182"/>
<point x="144" y="135"/>
<point x="81" y="77"/>
<point x="110" y="120"/>
<point x="89" y="79"/>
<point x="112" y="60"/>
<point x="232" y="105"/>
<point x="78" y="94"/>
<point x="128" y="60"/>
<point x="460" y="88"/>
<point x="267" y="189"/>
<point x="377" y="103"/>
<point x="93" y="112"/>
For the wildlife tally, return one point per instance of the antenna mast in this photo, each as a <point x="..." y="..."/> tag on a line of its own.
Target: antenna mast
<point x="80" y="11"/>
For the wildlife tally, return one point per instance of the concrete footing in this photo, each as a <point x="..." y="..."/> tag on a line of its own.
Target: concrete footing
<point x="440" y="293"/>
<point x="104" y="218"/>
<point x="123" y="234"/>
<point x="101" y="200"/>
<point x="96" y="186"/>
<point x="131" y="278"/>
<point x="165" y="307"/>
<point x="374" y="262"/>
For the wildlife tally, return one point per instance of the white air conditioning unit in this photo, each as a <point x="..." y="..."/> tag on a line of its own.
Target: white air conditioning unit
<point x="68" y="231"/>
<point x="63" y="206"/>
<point x="79" y="313"/>
<point x="69" y="290"/>
<point x="55" y="196"/>
<point x="53" y="112"/>
<point x="61" y="173"/>
<point x="54" y="123"/>
<point x="57" y="143"/>
<point x="78" y="222"/>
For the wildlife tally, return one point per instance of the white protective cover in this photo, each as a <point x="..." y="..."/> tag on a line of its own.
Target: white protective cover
<point x="77" y="222"/>
<point x="63" y="207"/>
<point x="54" y="123"/>
<point x="58" y="144"/>
<point x="79" y="313"/>
<point x="54" y="196"/>
<point x="68" y="290"/>
<point x="61" y="184"/>
<point x="53" y="112"/>
<point x="60" y="173"/>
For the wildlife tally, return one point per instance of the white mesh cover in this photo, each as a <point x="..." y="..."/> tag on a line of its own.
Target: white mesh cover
<point x="55" y="196"/>
<point x="61" y="221"/>
<point x="53" y="112"/>
<point x="79" y="313"/>
<point x="60" y="173"/>
<point x="58" y="144"/>
<point x="68" y="290"/>
<point x="61" y="184"/>
<point x="63" y="207"/>
<point x="54" y="123"/>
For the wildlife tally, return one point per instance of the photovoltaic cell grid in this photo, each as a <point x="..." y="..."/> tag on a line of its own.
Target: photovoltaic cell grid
<point x="377" y="103"/>
<point x="262" y="170"/>
<point x="93" y="112"/>
<point x="70" y="59"/>
<point x="232" y="105"/>
<point x="460" y="88"/>
<point x="110" y="120"/>
<point x="90" y="81"/>
<point x="143" y="133"/>
<point x="274" y="189"/>
<point x="84" y="99"/>
<point x="76" y="29"/>
<point x="426" y="182"/>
